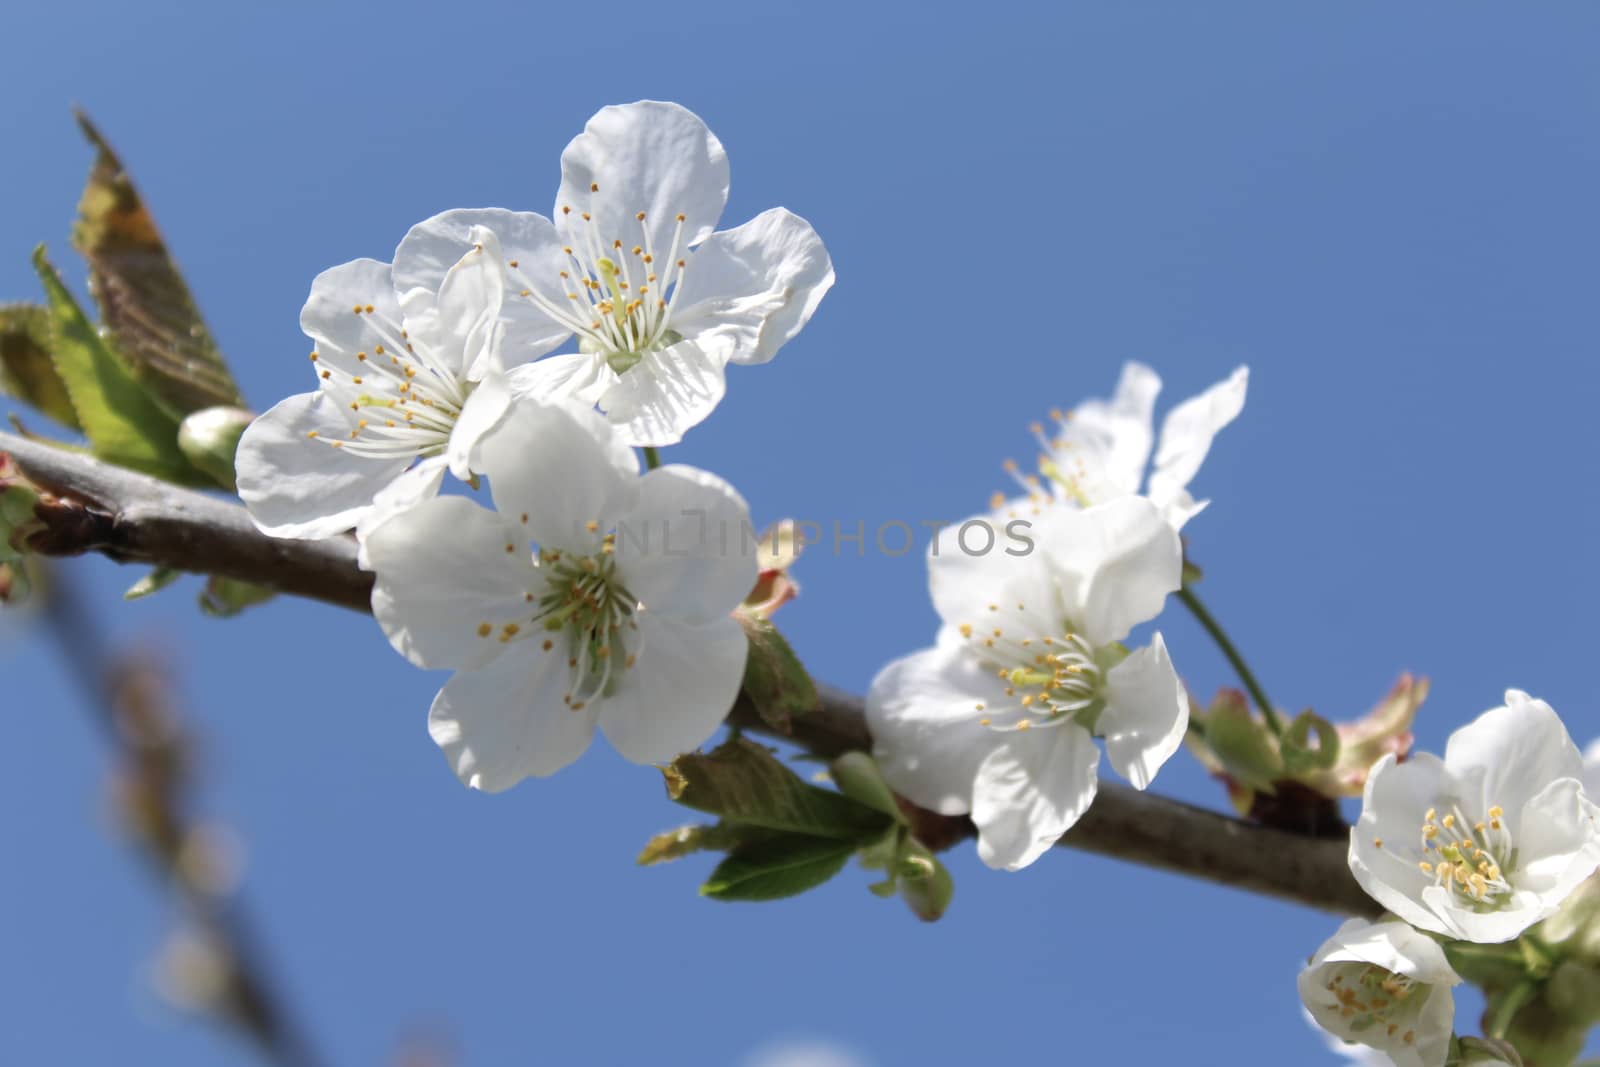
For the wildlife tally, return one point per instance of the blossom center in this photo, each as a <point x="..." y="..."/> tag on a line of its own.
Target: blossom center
<point x="1469" y="858"/>
<point x="1048" y="679"/>
<point x="1371" y="997"/>
<point x="399" y="400"/>
<point x="589" y="613"/>
<point x="617" y="291"/>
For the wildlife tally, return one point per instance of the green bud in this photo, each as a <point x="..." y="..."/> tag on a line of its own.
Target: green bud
<point x="1243" y="744"/>
<point x="857" y="776"/>
<point x="209" y="438"/>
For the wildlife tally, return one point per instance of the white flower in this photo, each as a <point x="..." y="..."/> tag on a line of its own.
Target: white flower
<point x="1591" y="769"/>
<point x="397" y="399"/>
<point x="620" y="617"/>
<point x="998" y="718"/>
<point x="1101" y="448"/>
<point x="659" y="303"/>
<point x="1385" y="986"/>
<point x="1481" y="845"/>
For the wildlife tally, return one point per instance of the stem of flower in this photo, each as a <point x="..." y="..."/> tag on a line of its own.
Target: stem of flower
<point x="652" y="458"/>
<point x="1240" y="667"/>
<point x="1505" y="1012"/>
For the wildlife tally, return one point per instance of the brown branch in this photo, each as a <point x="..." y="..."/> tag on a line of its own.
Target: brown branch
<point x="130" y="517"/>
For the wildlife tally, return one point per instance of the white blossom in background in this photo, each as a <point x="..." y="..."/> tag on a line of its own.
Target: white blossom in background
<point x="1099" y="450"/>
<point x="1384" y="986"/>
<point x="998" y="719"/>
<point x="659" y="303"/>
<point x="1591" y="769"/>
<point x="397" y="399"/>
<point x="1486" y="842"/>
<point x="618" y="618"/>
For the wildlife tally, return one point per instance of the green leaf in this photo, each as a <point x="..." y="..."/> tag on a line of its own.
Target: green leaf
<point x="744" y="783"/>
<point x="687" y="840"/>
<point x="26" y="369"/>
<point x="123" y="424"/>
<point x="224" y="598"/>
<point x="153" y="582"/>
<point x="775" y="682"/>
<point x="777" y="867"/>
<point x="143" y="299"/>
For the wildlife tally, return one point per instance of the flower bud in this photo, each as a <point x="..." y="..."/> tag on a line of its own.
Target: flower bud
<point x="209" y="438"/>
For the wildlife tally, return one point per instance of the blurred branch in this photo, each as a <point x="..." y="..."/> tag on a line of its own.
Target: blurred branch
<point x="128" y="516"/>
<point x="221" y="972"/>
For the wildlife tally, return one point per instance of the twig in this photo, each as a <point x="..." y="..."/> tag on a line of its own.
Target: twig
<point x="126" y="698"/>
<point x="130" y="517"/>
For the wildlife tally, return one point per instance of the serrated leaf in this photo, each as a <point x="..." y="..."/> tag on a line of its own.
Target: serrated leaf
<point x="687" y="840"/>
<point x="124" y="425"/>
<point x="151" y="583"/>
<point x="775" y="682"/>
<point x="26" y="369"/>
<point x="143" y="298"/>
<point x="777" y="867"/>
<point x="744" y="783"/>
<point x="223" y="598"/>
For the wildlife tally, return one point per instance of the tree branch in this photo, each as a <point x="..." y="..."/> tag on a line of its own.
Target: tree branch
<point x="133" y="518"/>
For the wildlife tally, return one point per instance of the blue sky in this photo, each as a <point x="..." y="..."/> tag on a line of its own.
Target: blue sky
<point x="1388" y="212"/>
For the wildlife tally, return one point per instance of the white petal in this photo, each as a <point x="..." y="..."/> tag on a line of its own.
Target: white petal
<point x="1181" y="508"/>
<point x="1102" y="448"/>
<point x="554" y="469"/>
<point x="682" y="685"/>
<point x="990" y="563"/>
<point x="330" y="317"/>
<point x="1146" y="714"/>
<point x="1591" y="769"/>
<point x="420" y="483"/>
<point x="660" y="398"/>
<point x="576" y="377"/>
<point x="1392" y="945"/>
<point x="299" y="486"/>
<point x="1558" y="842"/>
<point x="1117" y="563"/>
<point x="687" y="550"/>
<point x="481" y="413"/>
<point x="435" y="245"/>
<point x="654" y="157"/>
<point x="759" y="282"/>
<point x="1030" y="790"/>
<point x="923" y="712"/>
<point x="469" y="303"/>
<point x="1393" y="809"/>
<point x="1187" y="431"/>
<point x="450" y="575"/>
<point x="506" y="722"/>
<point x="1514" y="751"/>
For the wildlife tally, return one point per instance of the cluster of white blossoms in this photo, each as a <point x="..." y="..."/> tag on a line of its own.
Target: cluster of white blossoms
<point x="1479" y="847"/>
<point x="593" y="595"/>
<point x="590" y="595"/>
